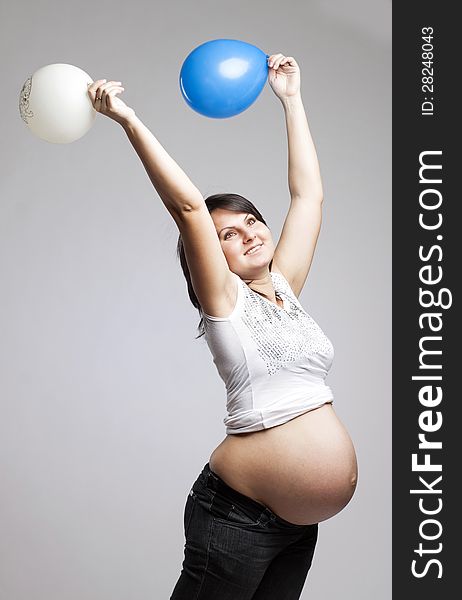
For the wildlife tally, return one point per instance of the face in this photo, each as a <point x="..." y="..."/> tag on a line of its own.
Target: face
<point x="247" y="243"/>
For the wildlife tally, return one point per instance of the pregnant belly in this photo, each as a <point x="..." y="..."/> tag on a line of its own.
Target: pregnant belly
<point x="304" y="470"/>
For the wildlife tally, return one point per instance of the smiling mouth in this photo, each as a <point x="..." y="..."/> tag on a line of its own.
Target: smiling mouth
<point x="253" y="249"/>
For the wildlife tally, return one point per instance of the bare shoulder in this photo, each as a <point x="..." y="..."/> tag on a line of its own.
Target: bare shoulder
<point x="222" y="305"/>
<point x="275" y="269"/>
<point x="212" y="281"/>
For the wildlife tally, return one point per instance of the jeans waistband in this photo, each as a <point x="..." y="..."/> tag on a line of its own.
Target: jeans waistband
<point x="257" y="510"/>
<point x="214" y="482"/>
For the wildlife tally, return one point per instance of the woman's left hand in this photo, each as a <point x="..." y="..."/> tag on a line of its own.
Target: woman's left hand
<point x="283" y="75"/>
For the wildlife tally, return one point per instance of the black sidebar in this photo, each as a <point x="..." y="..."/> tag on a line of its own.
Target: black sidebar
<point x="427" y="357"/>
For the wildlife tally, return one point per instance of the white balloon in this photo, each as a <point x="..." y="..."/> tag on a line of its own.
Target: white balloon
<point x="55" y="105"/>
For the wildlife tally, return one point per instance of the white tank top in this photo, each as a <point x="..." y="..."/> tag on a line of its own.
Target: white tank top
<point x="273" y="360"/>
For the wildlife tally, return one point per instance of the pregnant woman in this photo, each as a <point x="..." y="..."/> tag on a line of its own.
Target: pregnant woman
<point x="286" y="463"/>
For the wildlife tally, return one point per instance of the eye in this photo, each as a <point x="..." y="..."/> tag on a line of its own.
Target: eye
<point x="251" y="221"/>
<point x="228" y="234"/>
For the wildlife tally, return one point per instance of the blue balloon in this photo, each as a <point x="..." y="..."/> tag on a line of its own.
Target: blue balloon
<point x="221" y="78"/>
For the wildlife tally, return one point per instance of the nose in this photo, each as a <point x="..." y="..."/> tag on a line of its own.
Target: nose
<point x="249" y="238"/>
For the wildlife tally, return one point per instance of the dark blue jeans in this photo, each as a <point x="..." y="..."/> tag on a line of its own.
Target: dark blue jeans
<point x="237" y="549"/>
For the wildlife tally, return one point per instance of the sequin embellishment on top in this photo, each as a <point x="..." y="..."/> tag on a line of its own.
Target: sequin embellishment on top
<point x="272" y="327"/>
<point x="272" y="360"/>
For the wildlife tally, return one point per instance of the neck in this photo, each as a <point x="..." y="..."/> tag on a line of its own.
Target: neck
<point x="262" y="285"/>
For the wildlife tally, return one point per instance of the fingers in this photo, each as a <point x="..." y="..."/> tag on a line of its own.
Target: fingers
<point x="274" y="59"/>
<point x="92" y="88"/>
<point x="108" y="94"/>
<point x="101" y="93"/>
<point x="278" y="60"/>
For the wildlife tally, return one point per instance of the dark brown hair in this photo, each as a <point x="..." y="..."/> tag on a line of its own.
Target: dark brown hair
<point x="233" y="202"/>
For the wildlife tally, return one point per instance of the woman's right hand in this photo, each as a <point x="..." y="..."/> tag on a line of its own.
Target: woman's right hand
<point x="103" y="95"/>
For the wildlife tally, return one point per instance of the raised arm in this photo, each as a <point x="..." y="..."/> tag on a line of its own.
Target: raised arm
<point x="296" y="246"/>
<point x="212" y="280"/>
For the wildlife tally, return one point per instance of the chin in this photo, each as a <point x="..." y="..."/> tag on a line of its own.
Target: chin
<point x="263" y="261"/>
<point x="254" y="271"/>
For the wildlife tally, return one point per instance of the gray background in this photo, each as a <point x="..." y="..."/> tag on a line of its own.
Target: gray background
<point x="109" y="406"/>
